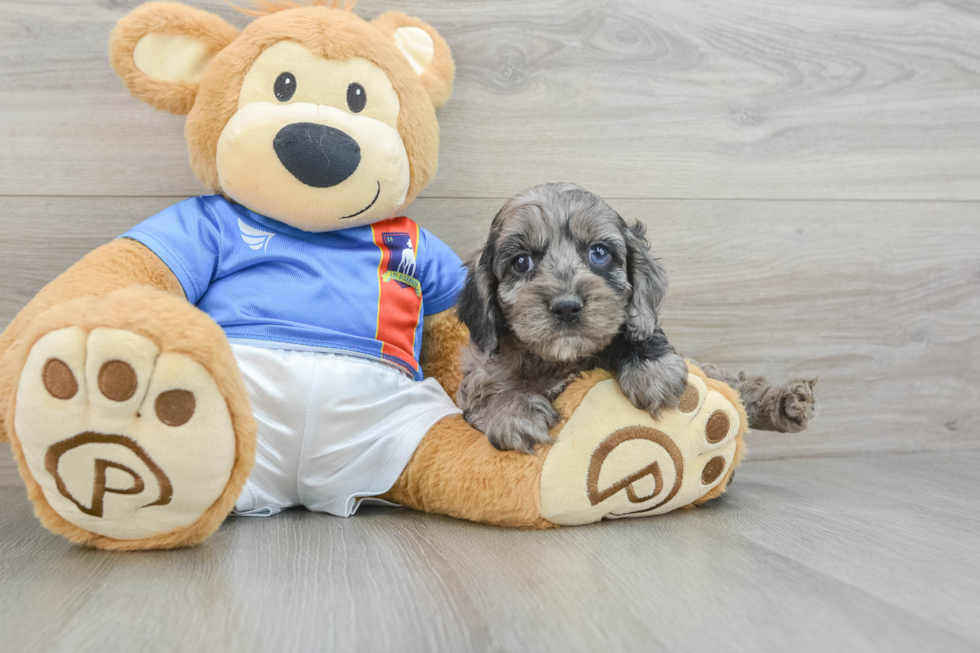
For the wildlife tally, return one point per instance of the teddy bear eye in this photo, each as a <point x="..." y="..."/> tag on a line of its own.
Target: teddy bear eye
<point x="285" y="87"/>
<point x="356" y="97"/>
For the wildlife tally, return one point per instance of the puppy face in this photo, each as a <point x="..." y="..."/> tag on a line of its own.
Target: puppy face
<point x="563" y="273"/>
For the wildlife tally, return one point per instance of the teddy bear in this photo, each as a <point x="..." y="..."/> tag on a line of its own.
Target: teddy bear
<point x="289" y="339"/>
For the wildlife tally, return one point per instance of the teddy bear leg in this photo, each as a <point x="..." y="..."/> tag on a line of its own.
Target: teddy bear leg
<point x="609" y="460"/>
<point x="455" y="471"/>
<point x="129" y="421"/>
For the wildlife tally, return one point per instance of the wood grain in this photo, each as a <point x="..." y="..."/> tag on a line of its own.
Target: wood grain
<point x="874" y="99"/>
<point x="879" y="300"/>
<point x="809" y="175"/>
<point x="800" y="555"/>
<point x="8" y="468"/>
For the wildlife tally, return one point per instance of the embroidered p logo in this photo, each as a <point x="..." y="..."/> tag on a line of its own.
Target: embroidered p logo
<point x="123" y="448"/>
<point x="650" y="475"/>
<point x="632" y="464"/>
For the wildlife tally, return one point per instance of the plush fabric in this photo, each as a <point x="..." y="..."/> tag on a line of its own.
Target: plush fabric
<point x="444" y="337"/>
<point x="170" y="451"/>
<point x="570" y="400"/>
<point x="611" y="460"/>
<point x="455" y="471"/>
<point x="330" y="33"/>
<point x="119" y="264"/>
<point x="176" y="327"/>
<point x="123" y="308"/>
<point x="439" y="74"/>
<point x="170" y="19"/>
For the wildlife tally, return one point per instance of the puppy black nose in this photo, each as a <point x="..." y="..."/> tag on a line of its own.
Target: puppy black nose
<point x="317" y="155"/>
<point x="566" y="310"/>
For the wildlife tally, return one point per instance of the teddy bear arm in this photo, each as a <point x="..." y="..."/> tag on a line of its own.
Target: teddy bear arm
<point x="443" y="338"/>
<point x="116" y="265"/>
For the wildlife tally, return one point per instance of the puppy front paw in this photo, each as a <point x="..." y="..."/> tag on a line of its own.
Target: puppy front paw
<point x="654" y="384"/>
<point x="519" y="423"/>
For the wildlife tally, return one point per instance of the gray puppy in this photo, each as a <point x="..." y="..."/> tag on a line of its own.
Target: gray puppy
<point x="564" y="285"/>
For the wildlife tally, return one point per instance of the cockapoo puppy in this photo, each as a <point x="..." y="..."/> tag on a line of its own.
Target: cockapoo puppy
<point x="563" y="285"/>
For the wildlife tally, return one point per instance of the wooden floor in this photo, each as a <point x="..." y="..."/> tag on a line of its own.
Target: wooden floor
<point x="809" y="172"/>
<point x="874" y="552"/>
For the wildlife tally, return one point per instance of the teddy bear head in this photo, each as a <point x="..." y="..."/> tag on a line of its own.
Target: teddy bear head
<point x="310" y="115"/>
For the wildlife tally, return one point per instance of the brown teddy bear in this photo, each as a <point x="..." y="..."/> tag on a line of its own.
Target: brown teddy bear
<point x="286" y="341"/>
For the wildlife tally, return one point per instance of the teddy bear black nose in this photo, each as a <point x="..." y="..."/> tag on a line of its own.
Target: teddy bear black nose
<point x="317" y="155"/>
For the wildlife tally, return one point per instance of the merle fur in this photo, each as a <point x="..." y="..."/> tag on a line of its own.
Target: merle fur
<point x="521" y="357"/>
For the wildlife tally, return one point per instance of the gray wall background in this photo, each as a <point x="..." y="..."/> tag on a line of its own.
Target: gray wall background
<point x="809" y="172"/>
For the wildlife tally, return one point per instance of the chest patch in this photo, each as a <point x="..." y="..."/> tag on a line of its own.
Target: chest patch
<point x="401" y="261"/>
<point x="399" y="291"/>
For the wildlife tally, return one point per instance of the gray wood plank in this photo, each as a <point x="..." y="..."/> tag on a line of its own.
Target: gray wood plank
<point x="8" y="467"/>
<point x="801" y="555"/>
<point x="722" y="99"/>
<point x="878" y="299"/>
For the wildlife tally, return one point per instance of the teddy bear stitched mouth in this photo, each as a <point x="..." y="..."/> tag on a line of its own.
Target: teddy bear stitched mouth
<point x="376" y="196"/>
<point x="317" y="155"/>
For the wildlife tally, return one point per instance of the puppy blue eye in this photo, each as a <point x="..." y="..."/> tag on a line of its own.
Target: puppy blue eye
<point x="523" y="263"/>
<point x="598" y="255"/>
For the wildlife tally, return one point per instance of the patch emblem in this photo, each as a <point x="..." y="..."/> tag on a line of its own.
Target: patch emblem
<point x="399" y="291"/>
<point x="401" y="261"/>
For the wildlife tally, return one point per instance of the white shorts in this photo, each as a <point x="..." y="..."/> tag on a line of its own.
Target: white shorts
<point x="332" y="428"/>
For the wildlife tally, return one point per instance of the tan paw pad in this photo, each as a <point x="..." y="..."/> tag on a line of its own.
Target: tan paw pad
<point x="612" y="460"/>
<point x="124" y="441"/>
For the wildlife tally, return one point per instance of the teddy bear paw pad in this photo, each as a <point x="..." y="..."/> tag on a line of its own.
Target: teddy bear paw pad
<point x="612" y="460"/>
<point x="123" y="440"/>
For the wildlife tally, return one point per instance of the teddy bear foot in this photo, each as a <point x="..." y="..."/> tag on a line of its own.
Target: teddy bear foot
<point x="124" y="443"/>
<point x="612" y="460"/>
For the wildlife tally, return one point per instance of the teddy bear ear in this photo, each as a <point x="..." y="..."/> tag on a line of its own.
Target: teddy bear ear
<point x="160" y="51"/>
<point x="426" y="51"/>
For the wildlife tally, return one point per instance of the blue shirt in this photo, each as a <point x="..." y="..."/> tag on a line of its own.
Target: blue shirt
<point x="362" y="290"/>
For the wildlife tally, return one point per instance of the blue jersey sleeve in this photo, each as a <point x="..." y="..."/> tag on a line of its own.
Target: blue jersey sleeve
<point x="187" y="237"/>
<point x="442" y="274"/>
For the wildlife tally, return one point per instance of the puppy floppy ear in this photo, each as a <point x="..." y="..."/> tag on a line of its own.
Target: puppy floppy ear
<point x="160" y="50"/>
<point x="426" y="51"/>
<point x="649" y="281"/>
<point x="477" y="307"/>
